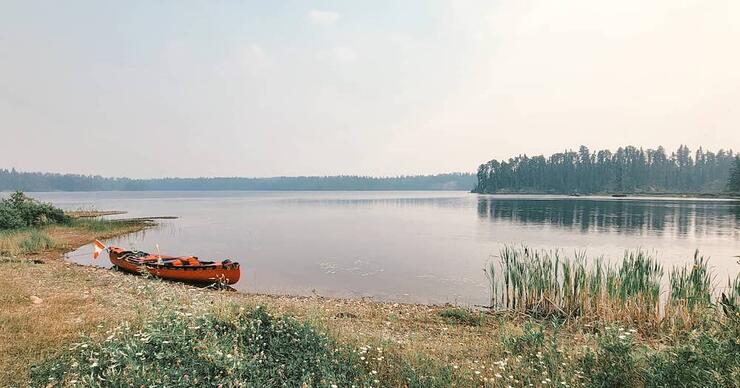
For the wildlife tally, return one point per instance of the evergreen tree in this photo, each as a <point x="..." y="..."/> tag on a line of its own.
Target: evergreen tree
<point x="733" y="183"/>
<point x="628" y="169"/>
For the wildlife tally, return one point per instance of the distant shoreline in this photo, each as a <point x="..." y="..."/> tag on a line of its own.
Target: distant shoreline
<point x="627" y="195"/>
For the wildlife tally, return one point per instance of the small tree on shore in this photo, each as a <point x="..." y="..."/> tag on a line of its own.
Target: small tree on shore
<point x="20" y="211"/>
<point x="733" y="184"/>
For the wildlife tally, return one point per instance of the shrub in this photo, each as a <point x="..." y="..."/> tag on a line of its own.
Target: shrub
<point x="249" y="348"/>
<point x="20" y="211"/>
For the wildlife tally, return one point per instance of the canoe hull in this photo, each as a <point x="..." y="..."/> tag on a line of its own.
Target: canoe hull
<point x="226" y="273"/>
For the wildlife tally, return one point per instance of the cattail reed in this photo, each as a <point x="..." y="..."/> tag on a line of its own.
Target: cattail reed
<point x="545" y="283"/>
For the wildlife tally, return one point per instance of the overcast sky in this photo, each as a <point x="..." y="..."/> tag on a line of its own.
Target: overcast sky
<point x="265" y="88"/>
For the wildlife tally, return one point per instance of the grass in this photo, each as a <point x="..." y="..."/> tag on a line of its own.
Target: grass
<point x="58" y="238"/>
<point x="548" y="285"/>
<point x="25" y="241"/>
<point x="462" y="316"/>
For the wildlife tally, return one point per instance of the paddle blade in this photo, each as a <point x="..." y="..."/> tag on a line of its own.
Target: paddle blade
<point x="99" y="248"/>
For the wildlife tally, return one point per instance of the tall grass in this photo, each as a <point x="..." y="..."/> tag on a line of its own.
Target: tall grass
<point x="38" y="239"/>
<point x="25" y="241"/>
<point x="543" y="283"/>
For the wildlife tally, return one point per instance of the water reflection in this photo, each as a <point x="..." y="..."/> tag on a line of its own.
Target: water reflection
<point x="659" y="217"/>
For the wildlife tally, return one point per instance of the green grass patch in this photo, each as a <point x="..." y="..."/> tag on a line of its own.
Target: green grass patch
<point x="462" y="316"/>
<point x="25" y="241"/>
<point x="36" y="241"/>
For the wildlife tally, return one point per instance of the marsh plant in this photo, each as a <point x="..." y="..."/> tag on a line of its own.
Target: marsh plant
<point x="547" y="284"/>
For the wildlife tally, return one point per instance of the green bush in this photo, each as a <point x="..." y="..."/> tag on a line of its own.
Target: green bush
<point x="249" y="348"/>
<point x="613" y="364"/>
<point x="20" y="211"/>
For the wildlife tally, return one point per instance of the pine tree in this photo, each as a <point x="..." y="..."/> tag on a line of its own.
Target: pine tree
<point x="629" y="169"/>
<point x="733" y="184"/>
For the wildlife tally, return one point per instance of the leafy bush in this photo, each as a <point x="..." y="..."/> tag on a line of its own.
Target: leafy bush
<point x="249" y="348"/>
<point x="20" y="211"/>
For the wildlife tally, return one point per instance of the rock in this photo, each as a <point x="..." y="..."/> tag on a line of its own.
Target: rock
<point x="36" y="300"/>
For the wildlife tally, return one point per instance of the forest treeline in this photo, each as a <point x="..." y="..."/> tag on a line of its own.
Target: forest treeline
<point x="627" y="170"/>
<point x="11" y="180"/>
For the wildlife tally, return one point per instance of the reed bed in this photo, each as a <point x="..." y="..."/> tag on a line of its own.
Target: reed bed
<point x="548" y="284"/>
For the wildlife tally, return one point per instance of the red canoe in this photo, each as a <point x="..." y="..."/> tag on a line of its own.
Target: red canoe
<point x="184" y="269"/>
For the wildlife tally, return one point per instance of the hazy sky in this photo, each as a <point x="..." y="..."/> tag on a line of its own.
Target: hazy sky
<point x="264" y="88"/>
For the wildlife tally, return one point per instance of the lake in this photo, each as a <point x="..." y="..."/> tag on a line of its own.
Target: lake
<point x="419" y="247"/>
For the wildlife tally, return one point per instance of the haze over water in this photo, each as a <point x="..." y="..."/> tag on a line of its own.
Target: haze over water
<point x="426" y="247"/>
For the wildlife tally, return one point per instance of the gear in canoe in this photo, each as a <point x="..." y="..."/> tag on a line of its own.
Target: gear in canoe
<point x="184" y="268"/>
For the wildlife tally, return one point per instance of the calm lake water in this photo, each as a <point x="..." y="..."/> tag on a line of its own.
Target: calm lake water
<point x="426" y="247"/>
